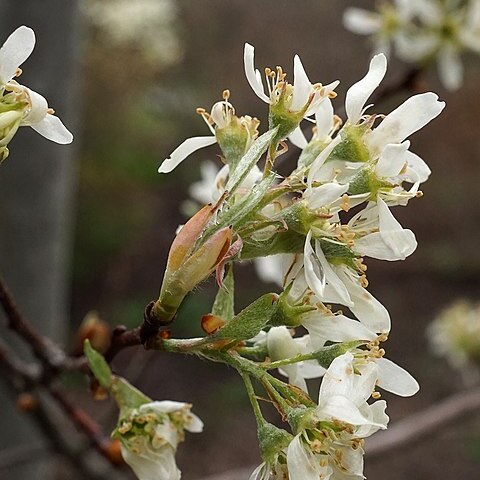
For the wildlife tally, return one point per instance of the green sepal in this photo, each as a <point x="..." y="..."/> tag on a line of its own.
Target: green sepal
<point x="352" y="148"/>
<point x="223" y="306"/>
<point x="126" y="395"/>
<point x="338" y="253"/>
<point x="366" y="181"/>
<point x="98" y="365"/>
<point x="245" y="207"/>
<point x="249" y="321"/>
<point x="249" y="160"/>
<point x="310" y="153"/>
<point x="300" y="418"/>
<point x="272" y="440"/>
<point x="282" y="242"/>
<point x="326" y="355"/>
<point x="289" y="314"/>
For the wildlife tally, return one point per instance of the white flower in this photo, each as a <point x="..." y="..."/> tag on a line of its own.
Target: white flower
<point x="422" y="30"/>
<point x="391" y="241"/>
<point x="149" y="437"/>
<point x="281" y="345"/>
<point x="16" y="49"/>
<point x="301" y="96"/>
<point x="240" y="130"/>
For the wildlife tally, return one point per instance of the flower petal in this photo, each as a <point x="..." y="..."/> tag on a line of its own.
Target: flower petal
<point x="410" y="116"/>
<point x="16" y="49"/>
<point x="392" y="159"/>
<point x="358" y="94"/>
<point x="402" y="242"/>
<point x="335" y="328"/>
<point x="314" y="273"/>
<point x="302" y="87"/>
<point x="253" y="79"/>
<point x="395" y="379"/>
<point x="324" y="195"/>
<point x="361" y="21"/>
<point x="324" y="119"/>
<point x="303" y="465"/>
<point x="365" y="306"/>
<point x="297" y="137"/>
<point x="52" y="128"/>
<point x="186" y="148"/>
<point x="450" y="68"/>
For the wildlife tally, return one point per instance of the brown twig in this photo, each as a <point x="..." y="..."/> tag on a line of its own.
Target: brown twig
<point x="44" y="349"/>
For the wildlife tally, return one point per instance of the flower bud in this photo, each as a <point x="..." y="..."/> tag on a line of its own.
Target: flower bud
<point x="184" y="272"/>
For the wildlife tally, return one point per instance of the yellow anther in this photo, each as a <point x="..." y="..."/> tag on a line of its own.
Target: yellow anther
<point x="226" y="94"/>
<point x="18" y="72"/>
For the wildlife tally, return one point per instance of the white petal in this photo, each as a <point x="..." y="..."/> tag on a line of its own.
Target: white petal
<point x="270" y="269"/>
<point x="262" y="472"/>
<point x="324" y="195"/>
<point x="186" y="148"/>
<point x="361" y="21"/>
<point x="395" y="379"/>
<point x="303" y="466"/>
<point x="332" y="279"/>
<point x="417" y="169"/>
<point x="253" y="80"/>
<point x="302" y="87"/>
<point x="335" y="328"/>
<point x="365" y="306"/>
<point x="358" y="94"/>
<point x="324" y="119"/>
<point x="415" y="48"/>
<point x="374" y="246"/>
<point x="153" y="465"/>
<point x="338" y="379"/>
<point x="38" y="108"/>
<point x="297" y="137"/>
<point x="52" y="128"/>
<point x="410" y="116"/>
<point x="392" y="159"/>
<point x="16" y="49"/>
<point x="320" y="160"/>
<point x="314" y="273"/>
<point x="341" y="408"/>
<point x="401" y="241"/>
<point x="450" y="68"/>
<point x="163" y="406"/>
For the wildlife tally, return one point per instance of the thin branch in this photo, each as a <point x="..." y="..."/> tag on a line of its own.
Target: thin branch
<point x="421" y="425"/>
<point x="47" y="351"/>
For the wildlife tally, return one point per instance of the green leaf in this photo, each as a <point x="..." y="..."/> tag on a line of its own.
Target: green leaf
<point x="126" y="395"/>
<point x="249" y="160"/>
<point x="249" y="321"/>
<point x="223" y="306"/>
<point x="98" y="365"/>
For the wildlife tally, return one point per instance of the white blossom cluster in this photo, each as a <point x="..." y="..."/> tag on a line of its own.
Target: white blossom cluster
<point x="147" y="25"/>
<point x="455" y="334"/>
<point x="150" y="435"/>
<point x="422" y="31"/>
<point x="19" y="105"/>
<point x="334" y="209"/>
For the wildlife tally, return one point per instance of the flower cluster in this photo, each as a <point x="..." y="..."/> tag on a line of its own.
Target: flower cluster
<point x="150" y="434"/>
<point x="146" y="25"/>
<point x="455" y="334"/>
<point x="309" y="231"/>
<point x="19" y="105"/>
<point x="422" y="31"/>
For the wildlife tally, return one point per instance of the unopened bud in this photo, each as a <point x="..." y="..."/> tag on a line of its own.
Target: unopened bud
<point x="27" y="402"/>
<point x="96" y="330"/>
